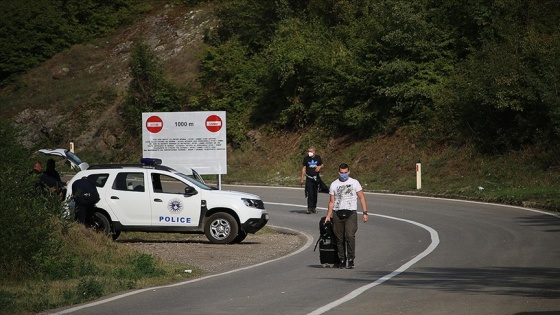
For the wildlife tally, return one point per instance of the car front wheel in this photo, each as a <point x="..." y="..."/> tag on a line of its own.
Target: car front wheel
<point x="116" y="235"/>
<point x="221" y="228"/>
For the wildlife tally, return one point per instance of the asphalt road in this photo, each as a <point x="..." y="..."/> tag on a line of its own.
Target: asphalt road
<point x="414" y="256"/>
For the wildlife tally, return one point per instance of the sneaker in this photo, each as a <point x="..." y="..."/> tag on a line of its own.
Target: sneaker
<point x="350" y="264"/>
<point x="340" y="265"/>
<point x="308" y="211"/>
<point x="313" y="210"/>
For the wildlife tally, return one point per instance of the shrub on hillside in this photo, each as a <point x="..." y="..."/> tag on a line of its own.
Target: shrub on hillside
<point x="26" y="223"/>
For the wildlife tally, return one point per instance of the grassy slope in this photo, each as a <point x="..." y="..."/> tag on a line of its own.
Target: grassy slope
<point x="389" y="164"/>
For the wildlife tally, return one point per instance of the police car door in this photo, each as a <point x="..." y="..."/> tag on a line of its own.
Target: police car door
<point x="171" y="205"/>
<point x="128" y="198"/>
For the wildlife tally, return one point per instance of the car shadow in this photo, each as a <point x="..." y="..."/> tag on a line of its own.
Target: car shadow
<point x="183" y="241"/>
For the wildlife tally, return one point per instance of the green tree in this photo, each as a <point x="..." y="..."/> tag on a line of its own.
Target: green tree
<point x="149" y="90"/>
<point x="33" y="31"/>
<point x="251" y="22"/>
<point x="506" y="93"/>
<point x="29" y="34"/>
<point x="234" y="83"/>
<point x="458" y="71"/>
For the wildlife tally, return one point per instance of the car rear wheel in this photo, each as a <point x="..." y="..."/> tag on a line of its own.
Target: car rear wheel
<point x="221" y="228"/>
<point x="100" y="223"/>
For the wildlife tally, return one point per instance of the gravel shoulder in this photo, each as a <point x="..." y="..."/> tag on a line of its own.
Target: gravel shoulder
<point x="198" y="252"/>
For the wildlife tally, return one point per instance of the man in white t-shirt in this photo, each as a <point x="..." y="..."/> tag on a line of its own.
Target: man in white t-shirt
<point x="344" y="194"/>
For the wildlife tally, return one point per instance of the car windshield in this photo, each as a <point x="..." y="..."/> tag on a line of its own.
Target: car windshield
<point x="194" y="181"/>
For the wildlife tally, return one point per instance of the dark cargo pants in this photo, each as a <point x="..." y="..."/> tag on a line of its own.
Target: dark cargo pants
<point x="345" y="230"/>
<point x="311" y="191"/>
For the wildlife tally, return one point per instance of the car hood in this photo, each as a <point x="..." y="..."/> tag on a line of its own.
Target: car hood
<point x="74" y="160"/>
<point x="232" y="193"/>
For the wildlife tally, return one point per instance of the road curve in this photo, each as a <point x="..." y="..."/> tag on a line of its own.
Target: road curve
<point x="415" y="256"/>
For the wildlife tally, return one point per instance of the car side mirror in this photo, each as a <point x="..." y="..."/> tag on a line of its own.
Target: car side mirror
<point x="190" y="191"/>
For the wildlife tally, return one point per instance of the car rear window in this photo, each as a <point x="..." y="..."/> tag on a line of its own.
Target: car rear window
<point x="129" y="181"/>
<point x="99" y="179"/>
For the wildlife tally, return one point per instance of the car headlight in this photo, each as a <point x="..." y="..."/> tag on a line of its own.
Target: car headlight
<point x="253" y="203"/>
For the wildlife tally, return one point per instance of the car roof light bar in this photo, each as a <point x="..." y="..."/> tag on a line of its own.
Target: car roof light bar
<point x="150" y="161"/>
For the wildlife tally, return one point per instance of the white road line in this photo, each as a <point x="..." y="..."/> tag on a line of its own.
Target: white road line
<point x="435" y="242"/>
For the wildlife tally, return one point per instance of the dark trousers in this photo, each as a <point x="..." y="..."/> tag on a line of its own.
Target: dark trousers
<point x="83" y="213"/>
<point x="311" y="190"/>
<point x="345" y="230"/>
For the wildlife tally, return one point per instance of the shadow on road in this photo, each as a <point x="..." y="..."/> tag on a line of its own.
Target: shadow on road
<point x="526" y="282"/>
<point x="551" y="223"/>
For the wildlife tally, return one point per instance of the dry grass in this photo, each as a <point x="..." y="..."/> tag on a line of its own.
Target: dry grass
<point x="96" y="266"/>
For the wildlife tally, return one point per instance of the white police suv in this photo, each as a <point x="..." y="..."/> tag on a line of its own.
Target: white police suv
<point x="150" y="197"/>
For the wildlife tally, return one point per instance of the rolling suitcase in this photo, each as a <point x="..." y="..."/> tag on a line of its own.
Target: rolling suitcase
<point x="328" y="253"/>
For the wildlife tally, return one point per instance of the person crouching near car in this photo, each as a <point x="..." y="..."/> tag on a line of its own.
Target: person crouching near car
<point x="44" y="184"/>
<point x="85" y="195"/>
<point x="344" y="194"/>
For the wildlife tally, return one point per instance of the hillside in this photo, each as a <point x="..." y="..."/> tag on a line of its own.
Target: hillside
<point x="77" y="95"/>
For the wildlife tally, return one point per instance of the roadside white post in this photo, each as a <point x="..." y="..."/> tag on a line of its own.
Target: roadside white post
<point x="72" y="147"/>
<point x="418" y="175"/>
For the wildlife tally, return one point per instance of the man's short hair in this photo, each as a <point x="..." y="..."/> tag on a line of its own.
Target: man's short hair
<point x="343" y="166"/>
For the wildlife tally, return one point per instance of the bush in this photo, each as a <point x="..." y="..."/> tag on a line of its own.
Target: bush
<point x="28" y="218"/>
<point x="89" y="288"/>
<point x="140" y="266"/>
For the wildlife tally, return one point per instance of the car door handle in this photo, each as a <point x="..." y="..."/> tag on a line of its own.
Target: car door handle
<point x="114" y="197"/>
<point x="158" y="200"/>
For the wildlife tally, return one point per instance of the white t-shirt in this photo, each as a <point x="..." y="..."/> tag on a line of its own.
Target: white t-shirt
<point x="345" y="193"/>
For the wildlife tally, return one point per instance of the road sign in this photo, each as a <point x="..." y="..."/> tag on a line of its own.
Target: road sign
<point x="187" y="140"/>
<point x="154" y="124"/>
<point x="213" y="123"/>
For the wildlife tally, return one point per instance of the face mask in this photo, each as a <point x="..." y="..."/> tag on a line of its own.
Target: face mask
<point x="310" y="154"/>
<point x="343" y="177"/>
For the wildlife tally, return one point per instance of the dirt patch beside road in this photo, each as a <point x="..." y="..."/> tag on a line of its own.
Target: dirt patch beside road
<point x="213" y="258"/>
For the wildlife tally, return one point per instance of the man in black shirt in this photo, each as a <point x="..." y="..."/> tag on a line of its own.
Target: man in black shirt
<point x="312" y="165"/>
<point x="85" y="196"/>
